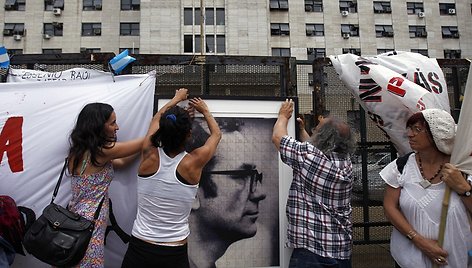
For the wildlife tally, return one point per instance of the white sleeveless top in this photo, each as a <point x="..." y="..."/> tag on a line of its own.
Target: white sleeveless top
<point x="164" y="203"/>
<point x="422" y="208"/>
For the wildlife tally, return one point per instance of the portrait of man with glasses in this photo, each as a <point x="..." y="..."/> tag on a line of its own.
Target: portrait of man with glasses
<point x="234" y="220"/>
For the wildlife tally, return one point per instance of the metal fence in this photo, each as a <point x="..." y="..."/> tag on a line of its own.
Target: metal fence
<point x="317" y="87"/>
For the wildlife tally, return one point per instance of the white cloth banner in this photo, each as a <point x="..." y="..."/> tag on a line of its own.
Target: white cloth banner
<point x="75" y="74"/>
<point x="35" y="122"/>
<point x="462" y="153"/>
<point x="393" y="86"/>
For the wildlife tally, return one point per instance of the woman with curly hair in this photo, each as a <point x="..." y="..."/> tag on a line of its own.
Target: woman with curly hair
<point x="93" y="155"/>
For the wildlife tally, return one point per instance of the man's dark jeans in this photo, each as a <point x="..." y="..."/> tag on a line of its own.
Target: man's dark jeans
<point x="302" y="258"/>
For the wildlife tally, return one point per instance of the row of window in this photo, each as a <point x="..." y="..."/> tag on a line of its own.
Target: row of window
<point x="351" y="6"/>
<point x="315" y="53"/>
<point x="87" y="5"/>
<point x="56" y="28"/>
<point x="214" y="43"/>
<point x="82" y="50"/>
<point x="282" y="29"/>
<point x="213" y="16"/>
<point x="348" y="30"/>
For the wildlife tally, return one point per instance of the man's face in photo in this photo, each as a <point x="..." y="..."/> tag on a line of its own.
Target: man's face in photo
<point x="235" y="209"/>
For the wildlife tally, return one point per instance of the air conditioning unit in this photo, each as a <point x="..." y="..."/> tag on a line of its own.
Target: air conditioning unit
<point x="346" y="35"/>
<point x="17" y="37"/>
<point x="98" y="6"/>
<point x="97" y="31"/>
<point x="57" y="11"/>
<point x="421" y="14"/>
<point x="451" y="11"/>
<point x="46" y="36"/>
<point x="55" y="23"/>
<point x="344" y="13"/>
<point x="6" y="32"/>
<point x="8" y="7"/>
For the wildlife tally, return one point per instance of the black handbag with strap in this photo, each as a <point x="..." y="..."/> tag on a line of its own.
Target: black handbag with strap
<point x="60" y="237"/>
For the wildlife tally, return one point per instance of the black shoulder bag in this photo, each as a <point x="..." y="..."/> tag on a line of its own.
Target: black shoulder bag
<point x="60" y="237"/>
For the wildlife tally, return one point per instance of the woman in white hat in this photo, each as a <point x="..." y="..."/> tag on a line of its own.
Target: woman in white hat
<point x="413" y="197"/>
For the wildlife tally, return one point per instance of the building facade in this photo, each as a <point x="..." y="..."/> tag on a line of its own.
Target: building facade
<point x="305" y="29"/>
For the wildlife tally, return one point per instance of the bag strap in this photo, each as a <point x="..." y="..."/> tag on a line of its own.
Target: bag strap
<point x="58" y="184"/>
<point x="115" y="226"/>
<point x="401" y="162"/>
<point x="97" y="212"/>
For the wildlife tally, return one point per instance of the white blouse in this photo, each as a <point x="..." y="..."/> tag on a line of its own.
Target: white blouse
<point x="422" y="208"/>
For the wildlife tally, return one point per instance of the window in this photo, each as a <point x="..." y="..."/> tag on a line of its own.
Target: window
<point x="192" y="44"/>
<point x="11" y="29"/>
<point x="384" y="50"/>
<point x="349" y="6"/>
<point x="188" y="44"/>
<point x="188" y="16"/>
<point x="220" y="44"/>
<point x="52" y="51"/>
<point x="130" y="4"/>
<point x="314" y="30"/>
<point x="12" y="52"/>
<point x="280" y="52"/>
<point x="356" y="51"/>
<point x="315" y="53"/>
<point x="209" y="16"/>
<point x="423" y="52"/>
<point x="383" y="31"/>
<point x="414" y="7"/>
<point x="382" y="7"/>
<point x="50" y="5"/>
<point x="313" y="5"/>
<point x="278" y="4"/>
<point x="279" y="29"/>
<point x="91" y="29"/>
<point x="450" y="32"/>
<point x="197" y="16"/>
<point x="447" y="8"/>
<point x="215" y="43"/>
<point x="212" y="16"/>
<point x="350" y="29"/>
<point x="89" y="50"/>
<point x="129" y="29"/>
<point x="418" y="32"/>
<point x="89" y="5"/>
<point x="452" y="53"/>
<point x="17" y="5"/>
<point x="134" y="51"/>
<point x="53" y="29"/>
<point x="58" y="4"/>
<point x="220" y="16"/>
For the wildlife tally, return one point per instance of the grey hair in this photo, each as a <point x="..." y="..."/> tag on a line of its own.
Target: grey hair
<point x="334" y="136"/>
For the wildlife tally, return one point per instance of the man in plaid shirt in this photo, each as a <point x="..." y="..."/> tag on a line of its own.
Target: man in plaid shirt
<point x="318" y="206"/>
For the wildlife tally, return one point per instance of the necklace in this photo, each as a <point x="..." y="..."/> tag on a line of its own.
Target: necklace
<point x="425" y="183"/>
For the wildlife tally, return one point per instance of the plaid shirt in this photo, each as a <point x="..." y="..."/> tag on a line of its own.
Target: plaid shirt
<point x="319" y="201"/>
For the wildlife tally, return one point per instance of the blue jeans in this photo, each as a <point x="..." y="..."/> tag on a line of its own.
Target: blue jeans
<point x="302" y="258"/>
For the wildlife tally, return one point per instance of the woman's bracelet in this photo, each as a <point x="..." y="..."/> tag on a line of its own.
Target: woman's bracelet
<point x="411" y="234"/>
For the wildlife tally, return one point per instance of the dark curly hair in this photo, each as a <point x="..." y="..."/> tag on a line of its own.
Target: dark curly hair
<point x="89" y="133"/>
<point x="174" y="127"/>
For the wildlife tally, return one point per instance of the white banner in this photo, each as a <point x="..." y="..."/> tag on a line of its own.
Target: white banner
<point x="393" y="86"/>
<point x="35" y="122"/>
<point x="462" y="153"/>
<point x="75" y="74"/>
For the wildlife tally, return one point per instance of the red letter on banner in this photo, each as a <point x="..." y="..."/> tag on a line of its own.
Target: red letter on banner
<point x="11" y="140"/>
<point x="394" y="86"/>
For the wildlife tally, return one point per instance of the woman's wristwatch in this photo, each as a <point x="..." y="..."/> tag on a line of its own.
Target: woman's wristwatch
<point x="469" y="192"/>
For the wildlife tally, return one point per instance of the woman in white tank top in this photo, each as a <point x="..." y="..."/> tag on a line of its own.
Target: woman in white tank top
<point x="167" y="183"/>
